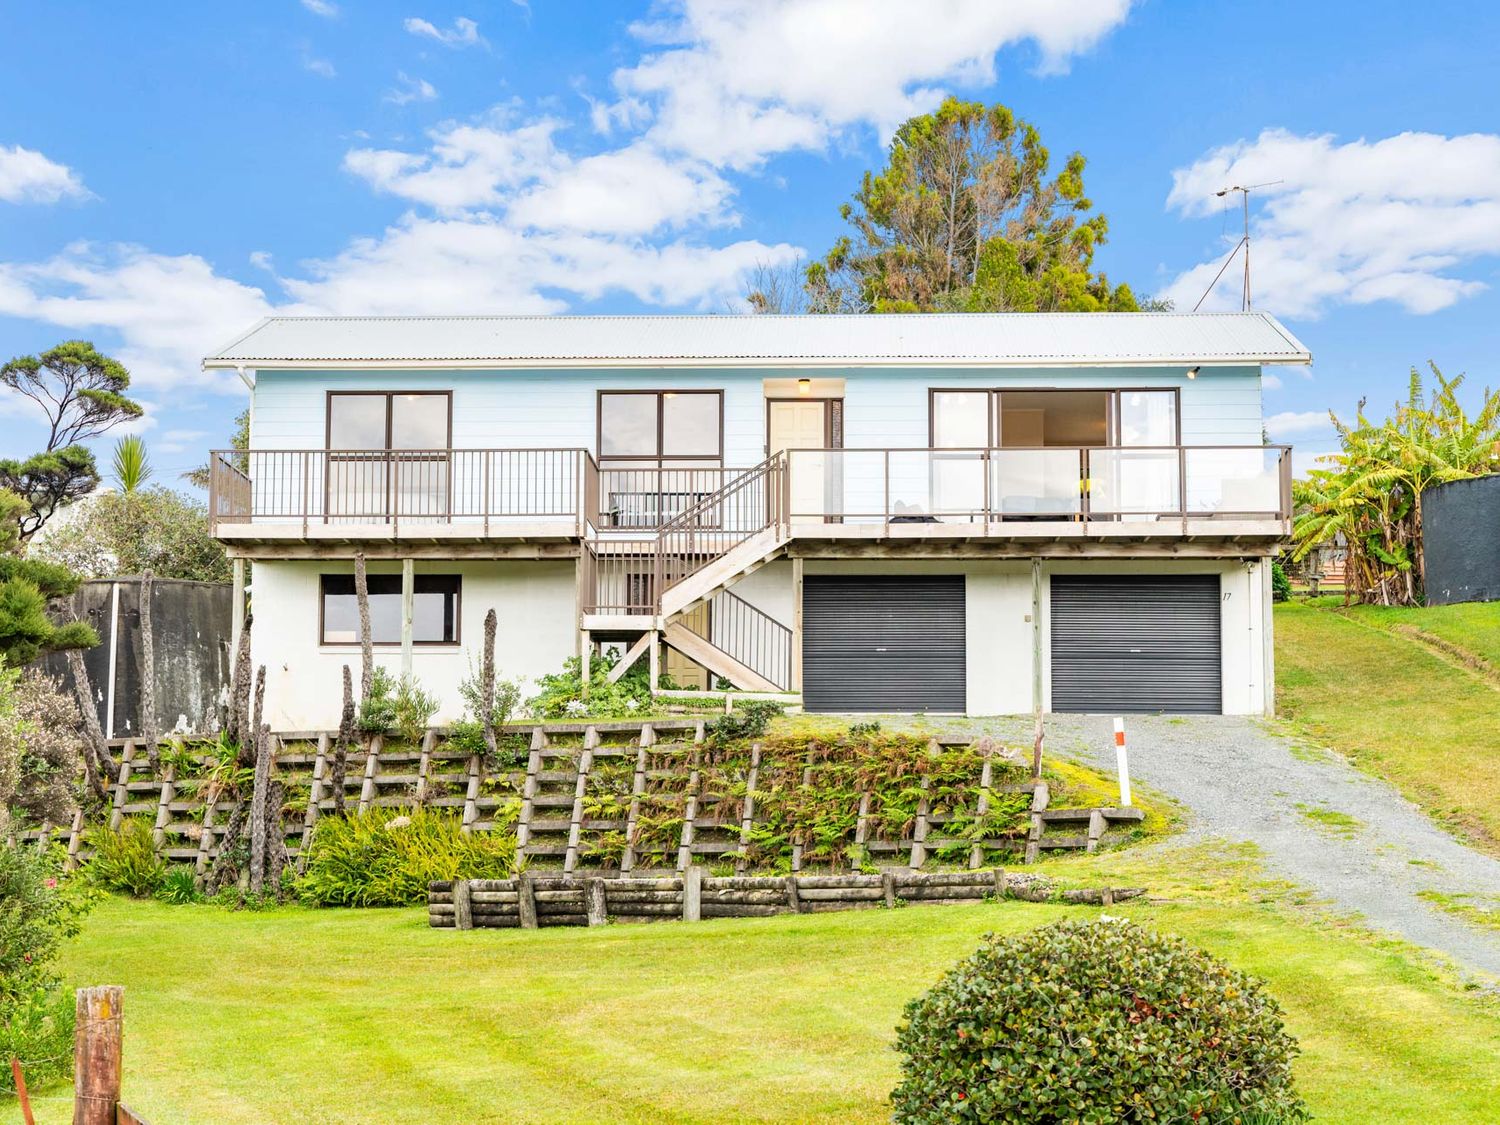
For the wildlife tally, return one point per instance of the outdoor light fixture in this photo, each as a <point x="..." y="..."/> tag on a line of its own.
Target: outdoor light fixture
<point x="1192" y="372"/>
<point x="804" y="386"/>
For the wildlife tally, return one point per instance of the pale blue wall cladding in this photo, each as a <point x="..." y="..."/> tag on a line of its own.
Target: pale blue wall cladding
<point x="883" y="408"/>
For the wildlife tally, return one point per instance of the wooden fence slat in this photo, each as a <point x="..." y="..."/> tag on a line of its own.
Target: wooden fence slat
<point x="372" y="764"/>
<point x="471" y="795"/>
<point x="122" y="794"/>
<point x="747" y="822"/>
<point x="580" y="789"/>
<point x="982" y="806"/>
<point x="163" y="809"/>
<point x="690" y="813"/>
<point x="637" y="791"/>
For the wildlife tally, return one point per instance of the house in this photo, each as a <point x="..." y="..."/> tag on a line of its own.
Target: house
<point x="949" y="513"/>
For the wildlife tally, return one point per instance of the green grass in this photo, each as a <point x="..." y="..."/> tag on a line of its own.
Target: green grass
<point x="339" y="1015"/>
<point x="1486" y="917"/>
<point x="1473" y="626"/>
<point x="1331" y="820"/>
<point x="1397" y="709"/>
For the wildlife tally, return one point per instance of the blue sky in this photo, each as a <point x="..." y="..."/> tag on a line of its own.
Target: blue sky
<point x="171" y="172"/>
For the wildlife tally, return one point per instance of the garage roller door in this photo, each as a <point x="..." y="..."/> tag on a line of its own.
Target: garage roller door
<point x="883" y="643"/>
<point x="1136" y="643"/>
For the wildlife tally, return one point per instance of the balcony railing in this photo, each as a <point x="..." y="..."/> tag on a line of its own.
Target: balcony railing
<point x="1093" y="484"/>
<point x="488" y="489"/>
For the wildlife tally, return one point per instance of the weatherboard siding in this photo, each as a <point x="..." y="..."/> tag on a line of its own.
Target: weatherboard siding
<point x="883" y="408"/>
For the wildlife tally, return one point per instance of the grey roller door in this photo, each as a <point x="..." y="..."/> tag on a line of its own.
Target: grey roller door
<point x="1136" y="643"/>
<point x="883" y="643"/>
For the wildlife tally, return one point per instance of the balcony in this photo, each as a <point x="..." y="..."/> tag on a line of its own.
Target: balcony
<point x="563" y="495"/>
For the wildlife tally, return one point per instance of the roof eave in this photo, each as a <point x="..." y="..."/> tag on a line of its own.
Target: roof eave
<point x="431" y="364"/>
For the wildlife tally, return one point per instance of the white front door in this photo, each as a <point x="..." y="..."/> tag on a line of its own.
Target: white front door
<point x="802" y="424"/>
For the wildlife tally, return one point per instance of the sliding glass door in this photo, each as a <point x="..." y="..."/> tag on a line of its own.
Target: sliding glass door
<point x="389" y="455"/>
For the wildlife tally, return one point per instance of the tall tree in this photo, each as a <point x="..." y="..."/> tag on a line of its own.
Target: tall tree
<point x="82" y="393"/>
<point x="965" y="217"/>
<point x="26" y="588"/>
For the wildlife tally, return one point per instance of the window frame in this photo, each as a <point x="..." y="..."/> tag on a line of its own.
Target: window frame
<point x="458" y="615"/>
<point x="390" y="412"/>
<point x="1113" y="424"/>
<point x="659" y="457"/>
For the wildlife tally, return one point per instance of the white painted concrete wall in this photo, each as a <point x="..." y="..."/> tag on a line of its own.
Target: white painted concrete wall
<point x="999" y="630"/>
<point x="535" y="603"/>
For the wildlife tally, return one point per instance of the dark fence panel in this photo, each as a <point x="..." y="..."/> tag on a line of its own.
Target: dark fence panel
<point x="192" y="625"/>
<point x="1461" y="540"/>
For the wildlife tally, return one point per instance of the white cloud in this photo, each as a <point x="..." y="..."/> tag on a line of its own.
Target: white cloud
<point x="409" y="89"/>
<point x="733" y="81"/>
<point x="1354" y="223"/>
<point x="323" y="8"/>
<point x="315" y="65"/>
<point x="1291" y="422"/>
<point x="1270" y="382"/>
<point x="26" y="176"/>
<point x="463" y="33"/>
<point x="469" y="165"/>
<point x="179" y="441"/>
<point x="169" y="311"/>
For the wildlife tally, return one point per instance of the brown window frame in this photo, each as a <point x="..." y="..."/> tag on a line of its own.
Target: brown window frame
<point x="389" y="415"/>
<point x="458" y="613"/>
<point x="661" y="394"/>
<point x="1114" y="394"/>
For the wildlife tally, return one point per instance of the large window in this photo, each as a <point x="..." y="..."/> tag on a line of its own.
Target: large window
<point x="434" y="609"/>
<point x="659" y="452"/>
<point x="411" y="480"/>
<point x="1049" y="419"/>
<point x="661" y="426"/>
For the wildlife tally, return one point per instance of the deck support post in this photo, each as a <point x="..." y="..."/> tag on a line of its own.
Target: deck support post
<point x="796" y="669"/>
<point x="408" y="612"/>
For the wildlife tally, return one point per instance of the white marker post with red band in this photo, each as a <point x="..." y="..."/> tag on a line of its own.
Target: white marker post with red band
<point x="1122" y="764"/>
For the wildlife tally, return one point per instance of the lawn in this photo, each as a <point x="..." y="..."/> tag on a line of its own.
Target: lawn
<point x="1355" y="681"/>
<point x="338" y="1015"/>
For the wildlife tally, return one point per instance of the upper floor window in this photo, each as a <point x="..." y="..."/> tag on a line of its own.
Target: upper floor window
<point x="434" y="609"/>
<point x="389" y="420"/>
<point x="1041" y="419"/>
<point x="661" y="427"/>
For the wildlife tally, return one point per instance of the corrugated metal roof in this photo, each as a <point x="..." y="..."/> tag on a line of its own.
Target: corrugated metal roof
<point x="983" y="339"/>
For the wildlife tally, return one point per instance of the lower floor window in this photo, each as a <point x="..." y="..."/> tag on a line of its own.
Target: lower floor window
<point x="434" y="609"/>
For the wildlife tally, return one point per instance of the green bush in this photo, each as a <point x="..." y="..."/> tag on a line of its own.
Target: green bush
<point x="1100" y="1021"/>
<point x="125" y="859"/>
<point x="179" y="886"/>
<point x="749" y="720"/>
<point x="371" y="860"/>
<point x="1281" y="585"/>
<point x="40" y="907"/>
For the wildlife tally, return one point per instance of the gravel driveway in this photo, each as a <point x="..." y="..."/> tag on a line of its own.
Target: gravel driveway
<point x="1241" y="781"/>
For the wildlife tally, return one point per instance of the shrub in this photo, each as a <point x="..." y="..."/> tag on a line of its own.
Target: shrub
<point x="1094" y="1021"/>
<point x="414" y="709"/>
<point x="749" y="720"/>
<point x="179" y="886"/>
<point x="1281" y="585"/>
<point x="503" y="704"/>
<point x="39" y="908"/>
<point x="377" y="712"/>
<point x="372" y="861"/>
<point x="125" y="859"/>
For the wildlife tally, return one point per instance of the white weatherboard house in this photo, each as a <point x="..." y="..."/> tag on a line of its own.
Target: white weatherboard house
<point x="966" y="513"/>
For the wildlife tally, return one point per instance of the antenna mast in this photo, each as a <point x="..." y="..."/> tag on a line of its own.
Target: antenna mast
<point x="1243" y="244"/>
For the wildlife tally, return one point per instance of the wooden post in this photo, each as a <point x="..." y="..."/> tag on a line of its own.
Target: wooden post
<point x="314" y="801"/>
<point x="528" y="788"/>
<point x="806" y="781"/>
<point x="580" y="789"/>
<point x="122" y="782"/>
<point x="982" y="806"/>
<point x="237" y="608"/>
<point x="595" y="902"/>
<point x="463" y="912"/>
<point x="75" y="840"/>
<point x="163" y="809"/>
<point x="408" y="613"/>
<point x="637" y="791"/>
<point x="793" y="895"/>
<point x="585" y="656"/>
<point x="888" y="888"/>
<point x="471" y="795"/>
<point x="424" y="767"/>
<point x="372" y="764"/>
<point x="654" y="661"/>
<point x="796" y="669"/>
<point x="19" y="1078"/>
<point x="692" y="893"/>
<point x="526" y="901"/>
<point x="96" y="1054"/>
<point x="747" y="821"/>
<point x="689" y="815"/>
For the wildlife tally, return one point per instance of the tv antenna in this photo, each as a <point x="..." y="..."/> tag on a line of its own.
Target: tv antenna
<point x="1242" y="244"/>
